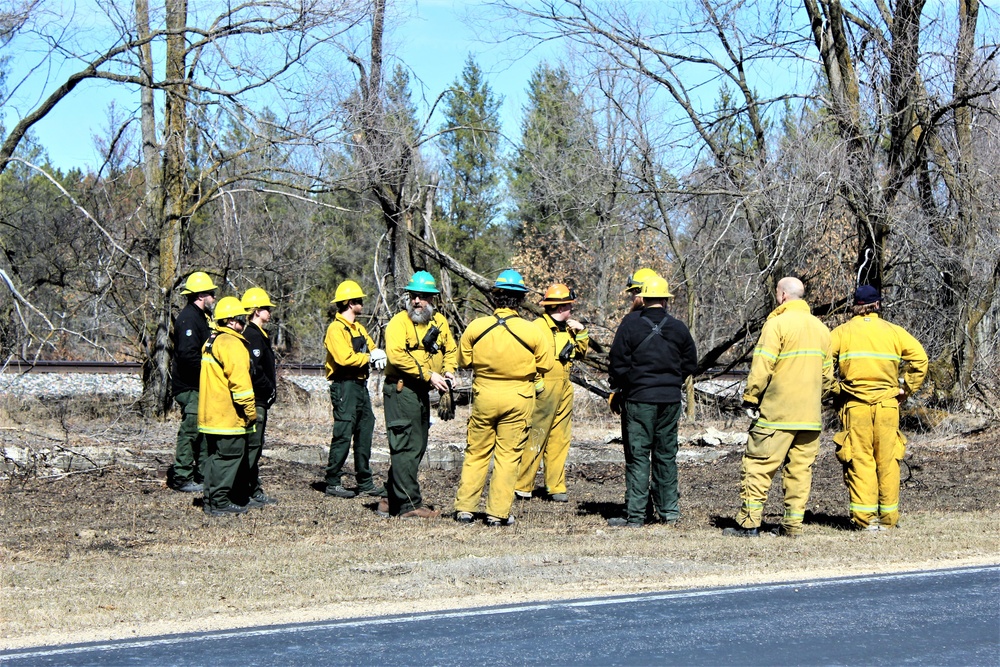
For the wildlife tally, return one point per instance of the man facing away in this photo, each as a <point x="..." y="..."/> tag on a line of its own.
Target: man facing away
<point x="226" y="408"/>
<point x="789" y="375"/>
<point x="650" y="357"/>
<point x="867" y="352"/>
<point x="507" y="354"/>
<point x="349" y="350"/>
<point x="549" y="438"/>
<point x="191" y="329"/>
<point x="422" y="355"/>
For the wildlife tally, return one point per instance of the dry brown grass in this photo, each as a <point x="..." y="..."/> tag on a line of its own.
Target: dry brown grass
<point x="114" y="554"/>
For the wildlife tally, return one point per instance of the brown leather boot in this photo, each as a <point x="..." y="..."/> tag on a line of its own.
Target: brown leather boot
<point x="421" y="513"/>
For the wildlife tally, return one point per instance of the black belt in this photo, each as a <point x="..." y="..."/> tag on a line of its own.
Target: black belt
<point x="363" y="381"/>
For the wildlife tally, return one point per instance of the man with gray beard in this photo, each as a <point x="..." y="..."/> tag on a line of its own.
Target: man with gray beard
<point x="422" y="355"/>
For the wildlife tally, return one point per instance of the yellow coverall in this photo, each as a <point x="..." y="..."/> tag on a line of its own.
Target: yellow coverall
<point x="549" y="437"/>
<point x="791" y="371"/>
<point x="868" y="352"/>
<point x="503" y="397"/>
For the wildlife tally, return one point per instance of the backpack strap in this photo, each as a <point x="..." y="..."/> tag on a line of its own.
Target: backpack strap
<point x="655" y="332"/>
<point x="502" y="322"/>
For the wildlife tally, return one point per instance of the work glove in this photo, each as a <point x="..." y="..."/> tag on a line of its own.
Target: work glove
<point x="615" y="402"/>
<point x="378" y="360"/>
<point x="446" y="404"/>
<point x="753" y="412"/>
<point x="539" y="387"/>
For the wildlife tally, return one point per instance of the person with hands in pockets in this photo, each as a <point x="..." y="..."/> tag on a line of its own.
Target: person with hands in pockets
<point x="349" y="352"/>
<point x="422" y="355"/>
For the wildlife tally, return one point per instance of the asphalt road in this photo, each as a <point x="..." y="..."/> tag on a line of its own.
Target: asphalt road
<point x="943" y="617"/>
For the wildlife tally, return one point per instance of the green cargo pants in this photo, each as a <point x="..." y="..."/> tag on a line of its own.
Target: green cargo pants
<point x="226" y="453"/>
<point x="352" y="419"/>
<point x="249" y="481"/>
<point x="407" y="421"/>
<point x="191" y="450"/>
<point x="652" y="448"/>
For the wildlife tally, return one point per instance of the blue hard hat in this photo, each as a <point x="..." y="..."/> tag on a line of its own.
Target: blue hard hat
<point x="510" y="279"/>
<point x="422" y="281"/>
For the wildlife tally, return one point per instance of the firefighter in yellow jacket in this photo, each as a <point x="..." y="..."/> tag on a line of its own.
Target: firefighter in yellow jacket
<point x="868" y="351"/>
<point x="507" y="354"/>
<point x="790" y="373"/>
<point x="226" y="409"/>
<point x="549" y="438"/>
<point x="349" y="351"/>
<point x="422" y="356"/>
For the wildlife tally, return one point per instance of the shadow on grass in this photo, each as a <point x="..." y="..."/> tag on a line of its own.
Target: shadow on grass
<point x="603" y="509"/>
<point x="831" y="521"/>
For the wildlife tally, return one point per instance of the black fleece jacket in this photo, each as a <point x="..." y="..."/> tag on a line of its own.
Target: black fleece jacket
<point x="191" y="330"/>
<point x="265" y="385"/>
<point x="651" y="371"/>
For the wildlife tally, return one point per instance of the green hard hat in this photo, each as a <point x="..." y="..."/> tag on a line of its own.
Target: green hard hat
<point x="422" y="281"/>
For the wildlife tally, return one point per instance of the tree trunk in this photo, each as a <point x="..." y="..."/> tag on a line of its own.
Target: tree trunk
<point x="166" y="197"/>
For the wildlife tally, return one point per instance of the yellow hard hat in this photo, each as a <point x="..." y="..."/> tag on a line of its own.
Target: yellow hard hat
<point x="655" y="288"/>
<point x="346" y="291"/>
<point x="637" y="279"/>
<point x="556" y="294"/>
<point x="229" y="307"/>
<point x="198" y="282"/>
<point x="255" y="297"/>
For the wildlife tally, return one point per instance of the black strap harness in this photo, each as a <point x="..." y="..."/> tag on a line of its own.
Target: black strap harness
<point x="502" y="322"/>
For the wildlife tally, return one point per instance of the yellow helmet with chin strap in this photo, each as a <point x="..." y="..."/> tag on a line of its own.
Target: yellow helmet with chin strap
<point x="655" y="288"/>
<point x="346" y="291"/>
<point x="255" y="297"/>
<point x="228" y="308"/>
<point x="198" y="282"/>
<point x="639" y="278"/>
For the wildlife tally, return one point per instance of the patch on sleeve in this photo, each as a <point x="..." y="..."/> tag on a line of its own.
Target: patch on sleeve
<point x="256" y="353"/>
<point x="188" y="333"/>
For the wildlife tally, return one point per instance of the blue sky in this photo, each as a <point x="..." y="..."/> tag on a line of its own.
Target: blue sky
<point x="433" y="38"/>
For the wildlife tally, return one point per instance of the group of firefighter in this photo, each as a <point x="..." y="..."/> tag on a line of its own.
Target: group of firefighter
<point x="522" y="400"/>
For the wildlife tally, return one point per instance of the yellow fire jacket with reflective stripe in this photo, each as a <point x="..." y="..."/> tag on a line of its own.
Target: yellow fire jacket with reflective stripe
<point x="558" y="339"/>
<point x="407" y="357"/>
<point x="342" y="362"/>
<point x="497" y="355"/>
<point x="791" y="369"/>
<point x="868" y="351"/>
<point x="225" y="394"/>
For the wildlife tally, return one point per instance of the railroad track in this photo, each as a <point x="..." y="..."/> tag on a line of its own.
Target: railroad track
<point x="125" y="367"/>
<point x="134" y="368"/>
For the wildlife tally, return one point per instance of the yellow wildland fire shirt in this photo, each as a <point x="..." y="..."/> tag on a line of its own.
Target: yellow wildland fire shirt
<point x="495" y="353"/>
<point x="791" y="370"/>
<point x="868" y="351"/>
<point x="558" y="339"/>
<point x="344" y="341"/>
<point x="225" y="395"/>
<point x="408" y="358"/>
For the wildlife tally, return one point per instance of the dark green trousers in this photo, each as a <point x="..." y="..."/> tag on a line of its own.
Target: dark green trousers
<point x="249" y="481"/>
<point x="352" y="419"/>
<point x="407" y="420"/>
<point x="651" y="449"/>
<point x="190" y="452"/>
<point x="226" y="454"/>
